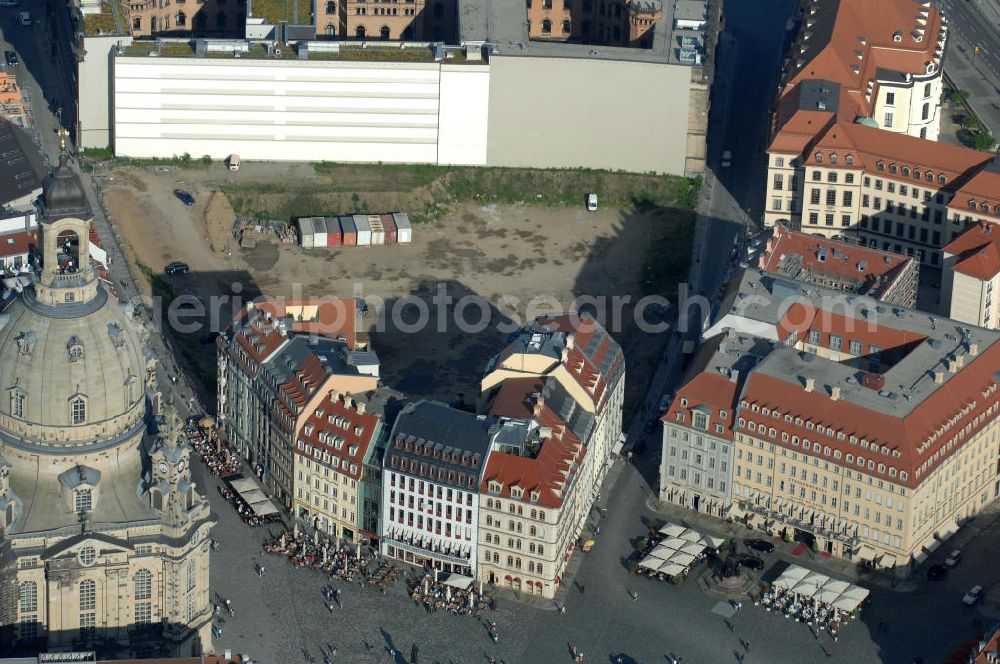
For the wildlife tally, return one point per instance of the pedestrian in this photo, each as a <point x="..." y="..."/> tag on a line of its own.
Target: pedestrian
<point x="562" y="609"/>
<point x="635" y="596"/>
<point x="572" y="649"/>
<point x="597" y="530"/>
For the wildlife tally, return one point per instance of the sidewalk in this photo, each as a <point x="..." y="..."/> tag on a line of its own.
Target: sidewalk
<point x="841" y="568"/>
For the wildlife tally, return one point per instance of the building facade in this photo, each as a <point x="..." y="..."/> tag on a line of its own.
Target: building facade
<point x="432" y="472"/>
<point x="275" y="358"/>
<point x="616" y="23"/>
<point x="971" y="275"/>
<point x="104" y="538"/>
<point x="534" y="492"/>
<point x="333" y="447"/>
<point x="867" y="431"/>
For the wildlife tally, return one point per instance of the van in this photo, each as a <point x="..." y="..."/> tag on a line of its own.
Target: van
<point x="24" y="18"/>
<point x="592" y="202"/>
<point x="233" y="162"/>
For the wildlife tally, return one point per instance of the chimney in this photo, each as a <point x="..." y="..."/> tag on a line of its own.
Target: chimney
<point x="938" y="377"/>
<point x="810" y="384"/>
<point x="570" y="341"/>
<point x="952" y="366"/>
<point x="835" y="392"/>
<point x="973" y="349"/>
<point x="960" y="361"/>
<point x="360" y="407"/>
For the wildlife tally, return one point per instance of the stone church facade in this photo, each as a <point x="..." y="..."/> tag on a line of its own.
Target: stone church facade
<point x="104" y="538"/>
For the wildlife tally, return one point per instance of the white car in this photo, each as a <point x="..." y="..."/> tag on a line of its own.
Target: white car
<point x="954" y="558"/>
<point x="727" y="158"/>
<point x="8" y="3"/>
<point x="591" y="202"/>
<point x="973" y="595"/>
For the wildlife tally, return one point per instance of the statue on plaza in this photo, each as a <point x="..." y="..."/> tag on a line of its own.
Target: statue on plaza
<point x="731" y="565"/>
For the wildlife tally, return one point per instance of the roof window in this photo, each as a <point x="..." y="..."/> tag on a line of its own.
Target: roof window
<point x="849" y="159"/>
<point x="819" y="158"/>
<point x="879" y="166"/>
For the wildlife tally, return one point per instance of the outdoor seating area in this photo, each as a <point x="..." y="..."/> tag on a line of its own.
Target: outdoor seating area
<point x="251" y="503"/>
<point x="674" y="551"/>
<point x="324" y="555"/>
<point x="456" y="593"/>
<point x="813" y="598"/>
<point x="203" y="436"/>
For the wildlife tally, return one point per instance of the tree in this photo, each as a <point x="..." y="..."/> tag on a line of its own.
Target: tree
<point x="984" y="141"/>
<point x="958" y="97"/>
<point x="971" y="122"/>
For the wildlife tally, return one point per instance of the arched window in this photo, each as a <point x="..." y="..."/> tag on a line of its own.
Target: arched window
<point x="152" y="24"/>
<point x="359" y="32"/>
<point x="83" y="501"/>
<point x="385" y="32"/>
<point x="181" y="19"/>
<point x="546" y="26"/>
<point x="88" y="595"/>
<point x="78" y="410"/>
<point x="27" y="595"/>
<point x="566" y="26"/>
<point x="330" y="30"/>
<point x="331" y="8"/>
<point x="143" y="584"/>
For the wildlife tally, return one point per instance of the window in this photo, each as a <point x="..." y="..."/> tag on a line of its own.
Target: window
<point x="137" y="23"/>
<point x="831" y="196"/>
<point x="927" y="89"/>
<point x="192" y="573"/>
<point x="27" y="595"/>
<point x="814" y="337"/>
<point x="88" y="595"/>
<point x="925" y="111"/>
<point x="700" y="420"/>
<point x="848" y="198"/>
<point x="181" y="19"/>
<point x="546" y="26"/>
<point x="776" y="204"/>
<point x="813" y="218"/>
<point x="83" y="501"/>
<point x="566" y="27"/>
<point x="890" y="98"/>
<point x="78" y="410"/>
<point x="835" y="342"/>
<point x="814" y="197"/>
<point x="143" y="584"/>
<point x="143" y="613"/>
<point x="849" y="178"/>
<point x="17" y="402"/>
<point x="779" y="162"/>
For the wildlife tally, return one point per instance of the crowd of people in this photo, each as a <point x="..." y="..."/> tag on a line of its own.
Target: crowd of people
<point x="338" y="561"/>
<point x="218" y="457"/>
<point x="816" y="615"/>
<point x="245" y="511"/>
<point x="434" y="595"/>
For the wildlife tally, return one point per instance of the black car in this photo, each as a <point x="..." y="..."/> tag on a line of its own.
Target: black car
<point x="184" y="197"/>
<point x="177" y="267"/>
<point x="759" y="545"/>
<point x="11" y="58"/>
<point x="935" y="572"/>
<point x="753" y="562"/>
<point x="651" y="425"/>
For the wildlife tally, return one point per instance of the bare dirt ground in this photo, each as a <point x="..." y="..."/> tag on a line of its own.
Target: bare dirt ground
<point x="545" y="256"/>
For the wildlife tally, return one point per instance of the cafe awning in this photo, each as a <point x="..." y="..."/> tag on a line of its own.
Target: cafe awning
<point x="458" y="581"/>
<point x="671" y="569"/>
<point x="865" y="552"/>
<point x="651" y="563"/>
<point x="243" y="484"/>
<point x="888" y="561"/>
<point x="253" y="496"/>
<point x="947" y="530"/>
<point x="672" y="530"/>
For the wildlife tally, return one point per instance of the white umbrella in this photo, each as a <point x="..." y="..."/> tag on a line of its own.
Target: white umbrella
<point x="672" y="530"/>
<point x="649" y="562"/>
<point x="694" y="548"/>
<point x="671" y="569"/>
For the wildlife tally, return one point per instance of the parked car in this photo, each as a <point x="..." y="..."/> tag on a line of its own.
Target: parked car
<point x="177" y="267"/>
<point x="954" y="558"/>
<point x="753" y="562"/>
<point x="591" y="202"/>
<point x="759" y="545"/>
<point x="665" y="401"/>
<point x="184" y="197"/>
<point x="935" y="572"/>
<point x="11" y="58"/>
<point x="650" y="425"/>
<point x="973" y="595"/>
<point x="362" y="306"/>
<point x="8" y="3"/>
<point x="727" y="158"/>
<point x="24" y="18"/>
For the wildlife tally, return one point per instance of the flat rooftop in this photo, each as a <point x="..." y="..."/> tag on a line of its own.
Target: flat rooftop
<point x="348" y="51"/>
<point x="503" y="25"/>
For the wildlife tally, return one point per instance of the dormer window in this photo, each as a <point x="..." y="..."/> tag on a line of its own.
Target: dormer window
<point x="495" y="487"/>
<point x="83" y="501"/>
<point x="819" y="158"/>
<point x="75" y="349"/>
<point x="78" y="410"/>
<point x="17" y="399"/>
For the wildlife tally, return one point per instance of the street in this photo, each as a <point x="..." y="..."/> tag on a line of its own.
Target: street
<point x="975" y="23"/>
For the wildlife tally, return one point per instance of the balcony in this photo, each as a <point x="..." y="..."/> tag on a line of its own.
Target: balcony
<point x="801" y="524"/>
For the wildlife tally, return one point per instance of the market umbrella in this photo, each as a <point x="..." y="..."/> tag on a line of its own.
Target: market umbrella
<point x="207" y="422"/>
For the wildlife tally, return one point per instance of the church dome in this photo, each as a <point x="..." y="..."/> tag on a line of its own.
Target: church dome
<point x="74" y="377"/>
<point x="63" y="194"/>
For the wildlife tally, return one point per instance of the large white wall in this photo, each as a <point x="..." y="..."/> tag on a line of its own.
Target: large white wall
<point x="94" y="94"/>
<point x="289" y="110"/>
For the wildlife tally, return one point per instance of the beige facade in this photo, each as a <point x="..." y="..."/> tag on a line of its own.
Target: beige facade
<point x="910" y="104"/>
<point x="607" y="22"/>
<point x="103" y="534"/>
<point x="970" y="299"/>
<point x="165" y="17"/>
<point x="898" y="210"/>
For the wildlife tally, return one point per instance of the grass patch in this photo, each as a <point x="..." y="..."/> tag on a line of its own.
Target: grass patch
<point x="276" y="11"/>
<point x="667" y="259"/>
<point x="98" y="154"/>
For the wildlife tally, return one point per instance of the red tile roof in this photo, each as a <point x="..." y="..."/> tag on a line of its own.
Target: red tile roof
<point x="978" y="249"/>
<point x="973" y="385"/>
<point x="549" y="472"/>
<point x="856" y="264"/>
<point x="354" y="430"/>
<point x="595" y="359"/>
<point x="334" y="318"/>
<point x="805" y="319"/>
<point x="17" y="243"/>
<point x="706" y="389"/>
<point x="833" y="46"/>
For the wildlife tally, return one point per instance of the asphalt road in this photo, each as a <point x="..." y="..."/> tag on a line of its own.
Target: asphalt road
<point x="975" y="23"/>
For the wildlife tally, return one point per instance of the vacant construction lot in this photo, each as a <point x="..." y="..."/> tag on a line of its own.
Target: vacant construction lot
<point x="482" y="260"/>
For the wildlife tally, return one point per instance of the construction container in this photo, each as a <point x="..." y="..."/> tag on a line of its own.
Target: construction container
<point x="364" y="230"/>
<point x="307" y="232"/>
<point x="334" y="238"/>
<point x="348" y="231"/>
<point x="319" y="236"/>
<point x="404" y="231"/>
<point x="378" y="231"/>
<point x="390" y="228"/>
